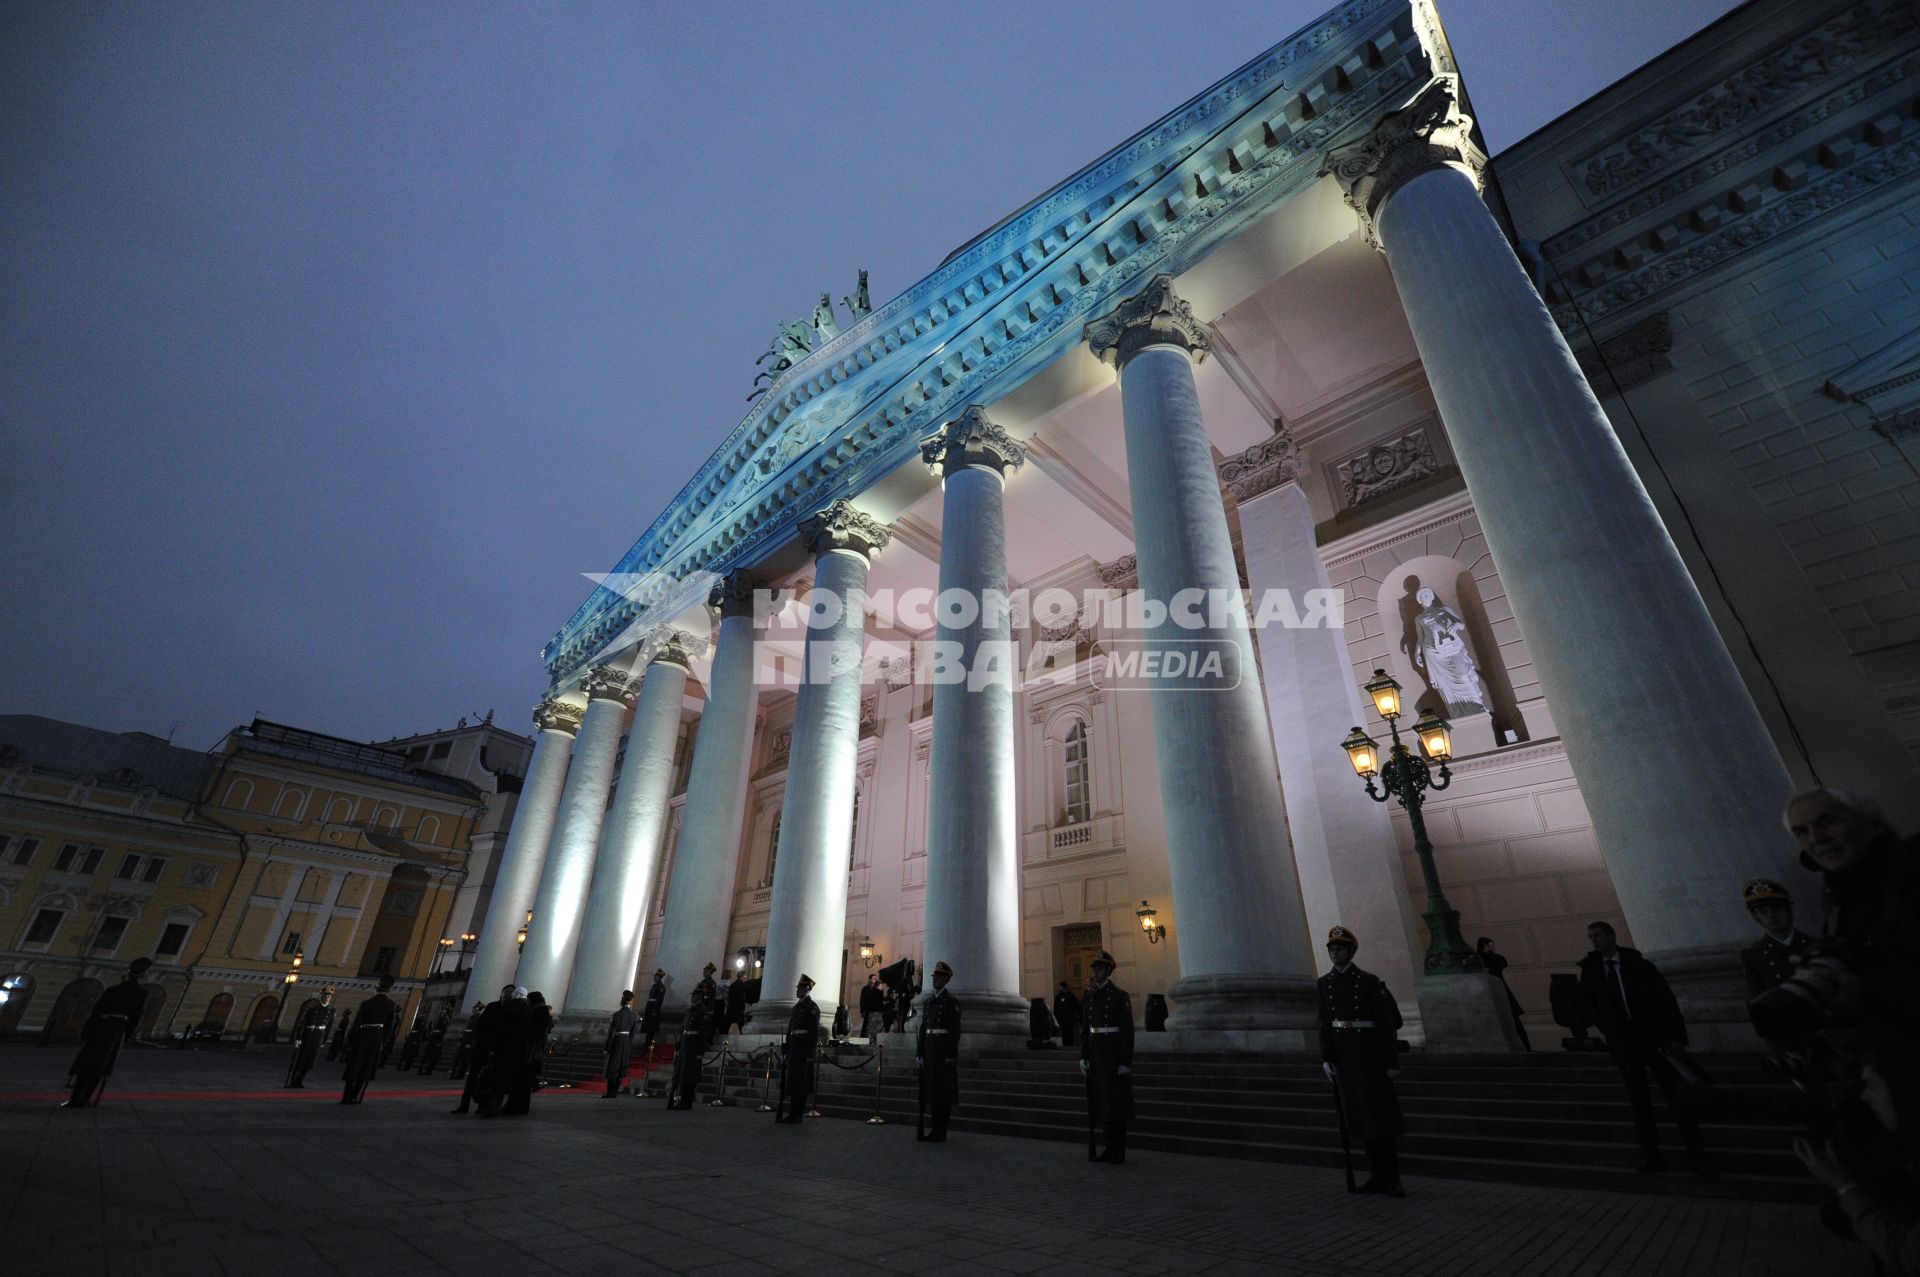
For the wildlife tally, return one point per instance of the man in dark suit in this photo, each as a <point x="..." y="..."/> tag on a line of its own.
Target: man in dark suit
<point x="803" y="1038"/>
<point x="1359" y="1050"/>
<point x="116" y="1014"/>
<point x="1066" y="1013"/>
<point x="937" y="1053"/>
<point x="374" y="1025"/>
<point x="1630" y="1001"/>
<point x="1106" y="1059"/>
<point x="308" y="1037"/>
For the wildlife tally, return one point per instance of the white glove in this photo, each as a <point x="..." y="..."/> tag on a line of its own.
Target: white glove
<point x="1124" y="1070"/>
<point x="919" y="1063"/>
<point x="1083" y="1066"/>
<point x="1326" y="1066"/>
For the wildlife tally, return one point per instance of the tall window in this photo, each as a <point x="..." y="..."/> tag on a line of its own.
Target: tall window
<point x="383" y="960"/>
<point x="1079" y="808"/>
<point x="773" y="846"/>
<point x="23" y="854"/>
<point x="172" y="940"/>
<point x="291" y="944"/>
<point x="130" y="867"/>
<point x="107" y="939"/>
<point x="45" y="924"/>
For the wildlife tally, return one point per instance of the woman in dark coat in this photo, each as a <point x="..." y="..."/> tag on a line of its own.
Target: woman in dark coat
<point x="1497" y="968"/>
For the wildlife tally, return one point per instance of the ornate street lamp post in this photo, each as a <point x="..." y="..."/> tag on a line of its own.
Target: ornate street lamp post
<point x="287" y="983"/>
<point x="1407" y="776"/>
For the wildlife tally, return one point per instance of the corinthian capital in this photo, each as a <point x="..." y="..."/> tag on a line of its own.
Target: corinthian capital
<point x="604" y="683"/>
<point x="1428" y="132"/>
<point x="1155" y="316"/>
<point x="556" y="716"/>
<point x="733" y="595"/>
<point x="668" y="646"/>
<point x="841" y="527"/>
<point x="971" y="439"/>
<point x="1267" y="464"/>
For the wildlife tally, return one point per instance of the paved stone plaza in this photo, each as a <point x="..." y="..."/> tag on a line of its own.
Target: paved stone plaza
<point x="227" y="1175"/>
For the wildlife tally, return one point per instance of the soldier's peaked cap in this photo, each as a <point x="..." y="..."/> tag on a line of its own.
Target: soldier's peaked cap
<point x="805" y="982"/>
<point x="328" y="992"/>
<point x="941" y="968"/>
<point x="1764" y="891"/>
<point x="140" y="966"/>
<point x="1104" y="959"/>
<point x="1340" y="935"/>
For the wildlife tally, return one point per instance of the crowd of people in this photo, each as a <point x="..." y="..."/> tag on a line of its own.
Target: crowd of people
<point x="1838" y="1005"/>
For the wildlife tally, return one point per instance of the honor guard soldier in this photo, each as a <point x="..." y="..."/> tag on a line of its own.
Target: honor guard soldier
<point x="1359" y="1050"/>
<point x="115" y="1017"/>
<point x="1106" y="1058"/>
<point x="937" y="1053"/>
<point x="309" y="1036"/>
<point x="619" y="1044"/>
<point x="373" y="1026"/>
<point x="696" y="1030"/>
<point x="1772" y="959"/>
<point x="655" y="1004"/>
<point x="796" y="1070"/>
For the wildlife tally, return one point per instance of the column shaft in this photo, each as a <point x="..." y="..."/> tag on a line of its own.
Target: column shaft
<point x="625" y="871"/>
<point x="707" y="857"/>
<point x="806" y="932"/>
<point x="973" y="856"/>
<point x="1675" y="765"/>
<point x="546" y="962"/>
<point x="1343" y="843"/>
<point x="497" y="954"/>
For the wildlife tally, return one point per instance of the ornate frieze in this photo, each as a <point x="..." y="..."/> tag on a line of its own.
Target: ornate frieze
<point x="897" y="671"/>
<point x="1267" y="464"/>
<point x="1385" y="466"/>
<point x="668" y="646"/>
<point x="1155" y="316"/>
<point x="841" y="526"/>
<point x="1631" y="359"/>
<point x="1426" y="133"/>
<point x="782" y="743"/>
<point x="604" y="683"/>
<point x="1121" y="574"/>
<point x="1833" y="49"/>
<point x="971" y="439"/>
<point x="557" y="716"/>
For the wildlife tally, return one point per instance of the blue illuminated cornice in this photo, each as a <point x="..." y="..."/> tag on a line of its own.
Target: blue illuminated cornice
<point x="1015" y="298"/>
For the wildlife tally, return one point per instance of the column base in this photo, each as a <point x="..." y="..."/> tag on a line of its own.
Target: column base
<point x="1711" y="987"/>
<point x="1466" y="1011"/>
<point x="1243" y="1001"/>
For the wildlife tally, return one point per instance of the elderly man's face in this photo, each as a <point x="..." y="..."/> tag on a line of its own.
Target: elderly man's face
<point x="1834" y="836"/>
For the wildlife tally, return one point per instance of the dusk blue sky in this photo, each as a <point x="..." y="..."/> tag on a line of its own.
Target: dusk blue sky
<point x="338" y="340"/>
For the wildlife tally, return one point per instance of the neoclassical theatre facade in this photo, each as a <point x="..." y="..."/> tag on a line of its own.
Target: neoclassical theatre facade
<point x="1531" y="436"/>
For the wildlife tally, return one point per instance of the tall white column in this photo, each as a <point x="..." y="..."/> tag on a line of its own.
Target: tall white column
<point x="806" y="932"/>
<point x="1683" y="782"/>
<point x="707" y="857"/>
<point x="546" y="962"/>
<point x="628" y="865"/>
<point x="973" y="857"/>
<point x="1343" y="844"/>
<point x="496" y="956"/>
<point x="1243" y="958"/>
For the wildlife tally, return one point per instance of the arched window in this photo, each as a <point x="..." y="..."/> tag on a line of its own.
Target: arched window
<point x="219" y="1007"/>
<point x="429" y="830"/>
<point x="339" y="811"/>
<point x="239" y="794"/>
<point x="773" y="847"/>
<point x="1078" y="802"/>
<point x="290" y="803"/>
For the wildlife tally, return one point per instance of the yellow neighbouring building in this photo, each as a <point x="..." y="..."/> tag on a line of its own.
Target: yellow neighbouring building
<point x="221" y="866"/>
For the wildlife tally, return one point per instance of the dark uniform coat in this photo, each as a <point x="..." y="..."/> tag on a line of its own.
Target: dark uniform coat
<point x="1066" y="1013"/>
<point x="1768" y="963"/>
<point x="1106" y="1045"/>
<point x="803" y="1039"/>
<point x="650" y="1013"/>
<point x="373" y="1027"/>
<point x="309" y="1036"/>
<point x="938" y="1047"/>
<point x="620" y="1042"/>
<point x="115" y="1017"/>
<point x="696" y="1031"/>
<point x="1361" y="1056"/>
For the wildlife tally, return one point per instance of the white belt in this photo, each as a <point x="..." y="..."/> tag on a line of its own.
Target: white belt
<point x="936" y="1033"/>
<point x="798" y="1033"/>
<point x="1353" y="1024"/>
<point x="1115" y="1029"/>
<point x="381" y="1025"/>
<point x="623" y="1033"/>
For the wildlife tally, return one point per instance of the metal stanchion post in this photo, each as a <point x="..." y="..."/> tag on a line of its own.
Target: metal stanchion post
<point x="766" y="1089"/>
<point x="819" y="1053"/>
<point x="879" y="1069"/>
<point x="721" y="1084"/>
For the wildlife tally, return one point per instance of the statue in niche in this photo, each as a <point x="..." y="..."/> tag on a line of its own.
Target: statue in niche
<point x="1440" y="652"/>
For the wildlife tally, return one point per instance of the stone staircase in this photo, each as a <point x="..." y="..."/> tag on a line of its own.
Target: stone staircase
<point x="1543" y="1119"/>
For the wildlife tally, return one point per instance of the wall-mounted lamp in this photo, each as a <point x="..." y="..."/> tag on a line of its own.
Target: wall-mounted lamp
<point x="520" y="936"/>
<point x="868" y="954"/>
<point x="1156" y="931"/>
